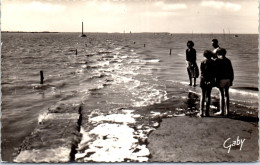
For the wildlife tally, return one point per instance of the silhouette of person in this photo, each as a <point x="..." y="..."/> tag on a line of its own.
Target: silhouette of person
<point x="216" y="47"/>
<point x="192" y="67"/>
<point x="207" y="81"/>
<point x="224" y="79"/>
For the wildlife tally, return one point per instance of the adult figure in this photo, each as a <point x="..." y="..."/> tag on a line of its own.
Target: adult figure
<point x="192" y="67"/>
<point x="224" y="79"/>
<point x="207" y="81"/>
<point x="216" y="47"/>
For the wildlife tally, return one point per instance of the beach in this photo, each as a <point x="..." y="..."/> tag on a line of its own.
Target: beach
<point x="121" y="98"/>
<point x="214" y="139"/>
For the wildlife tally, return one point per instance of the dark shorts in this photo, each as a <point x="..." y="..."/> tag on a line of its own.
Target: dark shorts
<point x="224" y="83"/>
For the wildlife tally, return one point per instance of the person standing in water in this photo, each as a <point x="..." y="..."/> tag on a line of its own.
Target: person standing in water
<point x="192" y="67"/>
<point x="207" y="81"/>
<point x="224" y="79"/>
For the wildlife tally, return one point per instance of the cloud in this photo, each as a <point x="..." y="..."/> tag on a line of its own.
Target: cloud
<point x="170" y="7"/>
<point x="44" y="7"/>
<point x="221" y="5"/>
<point x="30" y="15"/>
<point x="107" y="7"/>
<point x="34" y="6"/>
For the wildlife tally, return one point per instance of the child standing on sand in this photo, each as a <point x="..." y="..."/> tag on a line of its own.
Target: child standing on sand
<point x="192" y="67"/>
<point x="224" y="79"/>
<point x="207" y="81"/>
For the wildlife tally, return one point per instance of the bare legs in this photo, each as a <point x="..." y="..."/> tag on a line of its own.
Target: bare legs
<point x="190" y="78"/>
<point x="224" y="100"/>
<point x="205" y="95"/>
<point x="227" y="100"/>
<point x="189" y="73"/>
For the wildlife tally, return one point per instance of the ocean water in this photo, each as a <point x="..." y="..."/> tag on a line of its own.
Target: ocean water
<point x="109" y="72"/>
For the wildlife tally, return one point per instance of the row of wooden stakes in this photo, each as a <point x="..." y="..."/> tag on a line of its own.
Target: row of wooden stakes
<point x="76" y="53"/>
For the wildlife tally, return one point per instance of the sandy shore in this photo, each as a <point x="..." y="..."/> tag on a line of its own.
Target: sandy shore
<point x="182" y="139"/>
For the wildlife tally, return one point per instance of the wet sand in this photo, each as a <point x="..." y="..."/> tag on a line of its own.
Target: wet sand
<point x="183" y="139"/>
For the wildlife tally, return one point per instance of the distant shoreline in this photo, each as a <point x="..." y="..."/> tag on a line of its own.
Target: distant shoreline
<point x="26" y="32"/>
<point x="166" y="33"/>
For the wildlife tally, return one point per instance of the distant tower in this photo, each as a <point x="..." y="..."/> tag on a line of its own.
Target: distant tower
<point x="82" y="34"/>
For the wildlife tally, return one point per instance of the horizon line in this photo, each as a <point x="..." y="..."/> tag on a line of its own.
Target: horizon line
<point x="6" y="31"/>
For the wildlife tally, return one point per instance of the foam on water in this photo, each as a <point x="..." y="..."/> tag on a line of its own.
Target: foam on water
<point x="151" y="61"/>
<point x="123" y="57"/>
<point x="117" y="147"/>
<point x="112" y="142"/>
<point x="79" y="71"/>
<point x="241" y="92"/>
<point x="97" y="87"/>
<point x="118" y="118"/>
<point x="100" y="64"/>
<point x="84" y="66"/>
<point x="148" y="94"/>
<point x="178" y="82"/>
<point x="118" y="48"/>
<point x="121" y="79"/>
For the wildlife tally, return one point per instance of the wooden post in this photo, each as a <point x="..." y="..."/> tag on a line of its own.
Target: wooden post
<point x="82" y="34"/>
<point x="170" y="51"/>
<point x="76" y="51"/>
<point x="224" y="34"/>
<point x="42" y="78"/>
<point x="82" y="30"/>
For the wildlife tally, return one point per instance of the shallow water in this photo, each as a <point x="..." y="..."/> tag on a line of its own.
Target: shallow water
<point x="109" y="72"/>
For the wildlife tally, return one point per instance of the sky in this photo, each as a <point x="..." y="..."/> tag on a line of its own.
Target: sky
<point x="174" y="16"/>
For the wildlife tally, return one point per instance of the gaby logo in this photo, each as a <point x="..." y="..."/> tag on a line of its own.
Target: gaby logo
<point x="229" y="143"/>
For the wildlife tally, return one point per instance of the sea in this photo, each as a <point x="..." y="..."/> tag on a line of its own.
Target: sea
<point x="109" y="72"/>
